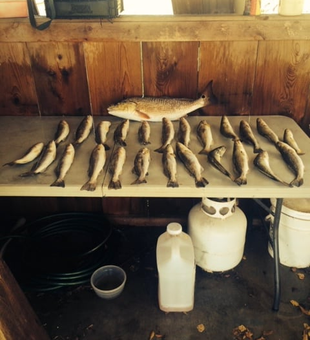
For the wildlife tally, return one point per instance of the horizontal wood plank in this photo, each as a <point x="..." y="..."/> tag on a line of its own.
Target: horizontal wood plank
<point x="161" y="28"/>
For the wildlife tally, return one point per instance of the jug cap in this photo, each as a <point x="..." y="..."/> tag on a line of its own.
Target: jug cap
<point x="174" y="228"/>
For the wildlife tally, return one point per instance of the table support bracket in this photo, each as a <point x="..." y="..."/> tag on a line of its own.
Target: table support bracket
<point x="275" y="245"/>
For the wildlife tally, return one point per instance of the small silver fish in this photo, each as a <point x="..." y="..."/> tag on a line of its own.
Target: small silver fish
<point x="265" y="131"/>
<point x="167" y="134"/>
<point x="120" y="133"/>
<point x="101" y="132"/>
<point x="226" y="128"/>
<point x="141" y="165"/>
<point x="84" y="129"/>
<point x="144" y="133"/>
<point x="192" y="164"/>
<point x="293" y="161"/>
<point x="64" y="165"/>
<point x="184" y="132"/>
<point x="204" y="134"/>
<point x="240" y="162"/>
<point x="116" y="167"/>
<point x="47" y="158"/>
<point x="288" y="138"/>
<point x="31" y="154"/>
<point x="96" y="164"/>
<point x="154" y="108"/>
<point x="214" y="158"/>
<point x="261" y="161"/>
<point x="62" y="132"/>
<point x="247" y="135"/>
<point x="170" y="166"/>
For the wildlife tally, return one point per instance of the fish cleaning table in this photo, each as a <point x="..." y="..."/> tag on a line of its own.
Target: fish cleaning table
<point x="17" y="134"/>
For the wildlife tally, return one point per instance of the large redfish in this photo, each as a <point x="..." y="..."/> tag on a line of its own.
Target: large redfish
<point x="155" y="108"/>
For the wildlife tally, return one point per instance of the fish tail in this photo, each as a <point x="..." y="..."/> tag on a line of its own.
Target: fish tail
<point x="297" y="182"/>
<point x="172" y="184"/>
<point x="89" y="186"/>
<point x="240" y="180"/>
<point x="160" y="150"/>
<point x="208" y="92"/>
<point x="139" y="181"/>
<point x="9" y="164"/>
<point x="201" y="183"/>
<point x="58" y="183"/>
<point x="203" y="152"/>
<point x="258" y="150"/>
<point x="300" y="152"/>
<point x="115" y="184"/>
<point x="27" y="174"/>
<point x="106" y="147"/>
<point x="121" y="142"/>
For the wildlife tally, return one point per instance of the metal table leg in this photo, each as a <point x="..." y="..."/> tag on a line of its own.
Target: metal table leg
<point x="275" y="245"/>
<point x="277" y="286"/>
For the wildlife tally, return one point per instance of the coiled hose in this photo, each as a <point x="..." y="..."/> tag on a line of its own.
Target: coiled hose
<point x="59" y="250"/>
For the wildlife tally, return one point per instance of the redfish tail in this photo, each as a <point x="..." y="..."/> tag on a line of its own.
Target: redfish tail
<point x="208" y="92"/>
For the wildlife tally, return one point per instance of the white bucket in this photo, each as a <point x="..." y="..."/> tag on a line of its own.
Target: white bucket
<point x="294" y="232"/>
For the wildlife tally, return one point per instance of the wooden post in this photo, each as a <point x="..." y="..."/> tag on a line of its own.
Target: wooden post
<point x="17" y="318"/>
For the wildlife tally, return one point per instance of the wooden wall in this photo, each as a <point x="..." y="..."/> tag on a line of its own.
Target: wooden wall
<point x="259" y="66"/>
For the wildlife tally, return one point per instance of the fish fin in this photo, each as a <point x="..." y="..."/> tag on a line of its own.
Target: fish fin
<point x="143" y="115"/>
<point x="297" y="182"/>
<point x="115" y="184"/>
<point x="89" y="186"/>
<point x="106" y="147"/>
<point x="201" y="183"/>
<point x="240" y="181"/>
<point x="139" y="181"/>
<point x="172" y="184"/>
<point x="58" y="183"/>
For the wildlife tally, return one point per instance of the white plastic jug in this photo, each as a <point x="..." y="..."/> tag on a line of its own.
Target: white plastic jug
<point x="176" y="270"/>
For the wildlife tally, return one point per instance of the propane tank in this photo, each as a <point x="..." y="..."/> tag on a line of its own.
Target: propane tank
<point x="217" y="228"/>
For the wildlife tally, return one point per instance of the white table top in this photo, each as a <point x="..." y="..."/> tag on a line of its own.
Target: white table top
<point x="17" y="134"/>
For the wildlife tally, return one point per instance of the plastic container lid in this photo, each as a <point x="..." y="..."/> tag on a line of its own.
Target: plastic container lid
<point x="295" y="207"/>
<point x="174" y="228"/>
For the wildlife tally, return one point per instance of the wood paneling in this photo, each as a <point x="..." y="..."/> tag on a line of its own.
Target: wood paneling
<point x="60" y="76"/>
<point x="17" y="88"/>
<point x="114" y="73"/>
<point x="282" y="79"/>
<point x="170" y="69"/>
<point x="231" y="66"/>
<point x="161" y="28"/>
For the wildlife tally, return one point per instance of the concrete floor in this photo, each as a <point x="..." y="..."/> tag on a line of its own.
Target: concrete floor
<point x="223" y="301"/>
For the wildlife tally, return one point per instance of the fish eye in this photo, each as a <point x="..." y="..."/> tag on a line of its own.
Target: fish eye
<point x="203" y="96"/>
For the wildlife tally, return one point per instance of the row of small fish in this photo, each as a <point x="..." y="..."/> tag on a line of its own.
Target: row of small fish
<point x="288" y="148"/>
